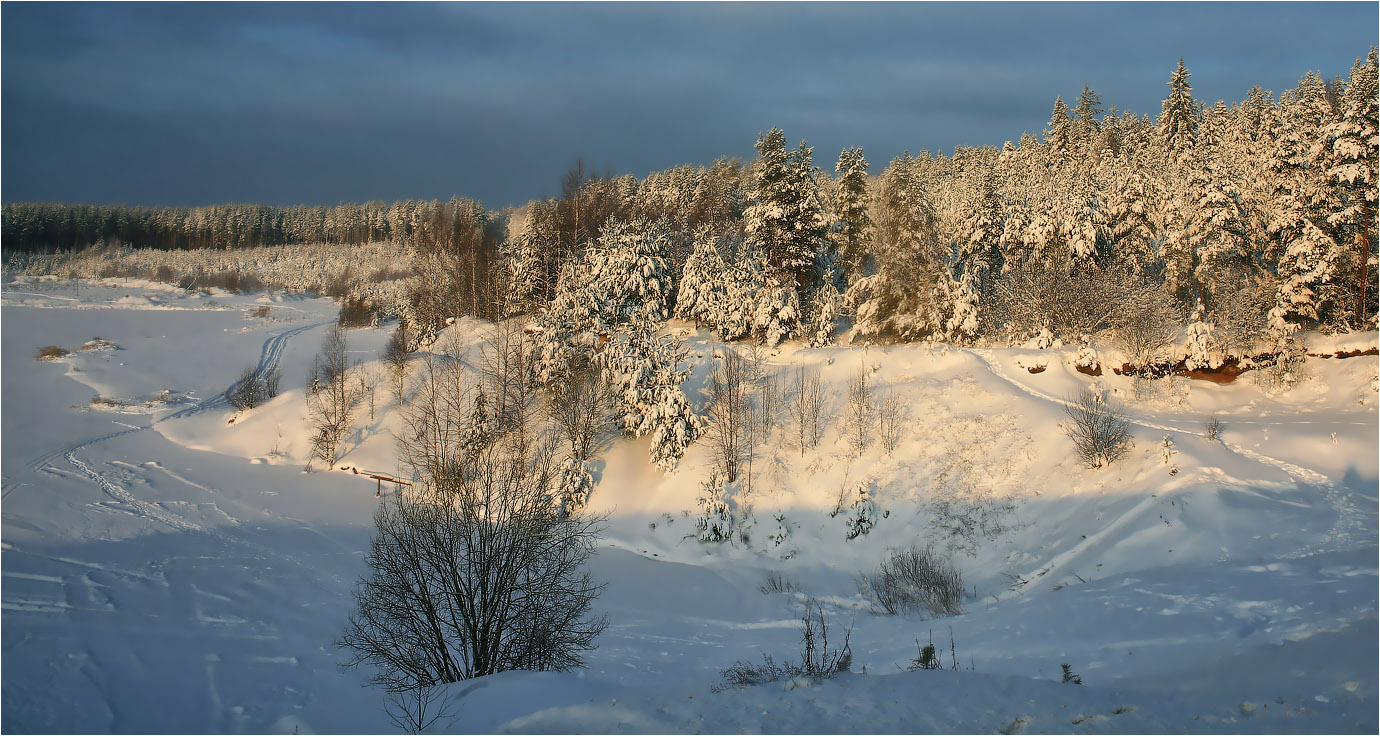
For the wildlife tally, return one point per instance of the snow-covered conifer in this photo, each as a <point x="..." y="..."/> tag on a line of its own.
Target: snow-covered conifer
<point x="1178" y="122"/>
<point x="1201" y="352"/>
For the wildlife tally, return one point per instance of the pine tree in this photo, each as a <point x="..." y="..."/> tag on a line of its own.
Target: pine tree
<point x="853" y="223"/>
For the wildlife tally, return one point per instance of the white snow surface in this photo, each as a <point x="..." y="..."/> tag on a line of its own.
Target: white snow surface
<point x="166" y="570"/>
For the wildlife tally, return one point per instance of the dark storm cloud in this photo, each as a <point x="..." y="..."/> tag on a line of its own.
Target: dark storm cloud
<point x="281" y="102"/>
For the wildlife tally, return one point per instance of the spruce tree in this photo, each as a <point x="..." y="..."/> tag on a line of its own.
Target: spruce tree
<point x="1178" y="123"/>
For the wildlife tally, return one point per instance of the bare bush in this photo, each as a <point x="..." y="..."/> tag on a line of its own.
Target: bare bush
<point x="419" y="709"/>
<point x="806" y="407"/>
<point x="255" y="387"/>
<point x="1212" y="429"/>
<point x="1098" y="428"/>
<point x="50" y="352"/>
<point x="355" y="312"/>
<point x="914" y="580"/>
<point x="817" y="659"/>
<point x="473" y="573"/>
<point x="775" y="582"/>
<point x="508" y="374"/>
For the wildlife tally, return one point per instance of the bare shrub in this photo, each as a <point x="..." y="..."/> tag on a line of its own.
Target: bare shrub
<point x="817" y="659"/>
<point x="50" y="352"/>
<point x="1099" y="429"/>
<point x="255" y="386"/>
<point x="775" y="582"/>
<point x="1212" y="429"/>
<point x="914" y="580"/>
<point x="806" y="407"/>
<point x="260" y="312"/>
<point x="473" y="573"/>
<point x="506" y="368"/>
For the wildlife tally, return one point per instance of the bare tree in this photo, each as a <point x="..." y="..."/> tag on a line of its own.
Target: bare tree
<point x="506" y="365"/>
<point x="806" y="407"/>
<point x="395" y="356"/>
<point x="582" y="408"/>
<point x="861" y="419"/>
<point x="436" y="422"/>
<point x="332" y="397"/>
<point x="730" y="415"/>
<point x="890" y="419"/>
<point x="1145" y="325"/>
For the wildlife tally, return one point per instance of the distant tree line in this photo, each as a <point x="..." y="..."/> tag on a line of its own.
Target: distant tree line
<point x="1243" y="222"/>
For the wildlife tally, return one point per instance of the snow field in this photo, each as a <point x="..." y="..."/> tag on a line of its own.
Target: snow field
<point x="193" y="578"/>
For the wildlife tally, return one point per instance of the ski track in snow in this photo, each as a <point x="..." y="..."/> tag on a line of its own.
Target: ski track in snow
<point x="1349" y="521"/>
<point x="269" y="356"/>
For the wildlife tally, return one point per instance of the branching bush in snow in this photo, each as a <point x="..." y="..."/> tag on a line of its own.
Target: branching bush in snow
<point x="582" y="408"/>
<point x="254" y="387"/>
<point x="1099" y="429"/>
<point x="1212" y="429"/>
<point x="914" y="580"/>
<point x="474" y="573"/>
<point x="817" y="659"/>
<point x="1145" y="325"/>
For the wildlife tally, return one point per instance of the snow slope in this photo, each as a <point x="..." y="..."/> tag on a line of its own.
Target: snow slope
<point x="165" y="570"/>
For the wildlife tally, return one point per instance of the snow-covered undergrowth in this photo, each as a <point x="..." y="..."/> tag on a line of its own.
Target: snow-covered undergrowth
<point x="169" y="570"/>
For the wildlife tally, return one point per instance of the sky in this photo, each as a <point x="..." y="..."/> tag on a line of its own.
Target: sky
<point x="282" y="103"/>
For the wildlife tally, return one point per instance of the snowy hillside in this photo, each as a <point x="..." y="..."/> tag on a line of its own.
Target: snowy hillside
<point x="169" y="565"/>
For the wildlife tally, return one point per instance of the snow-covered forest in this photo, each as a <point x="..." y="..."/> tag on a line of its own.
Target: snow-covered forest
<point x="1076" y="433"/>
<point x="1255" y="219"/>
